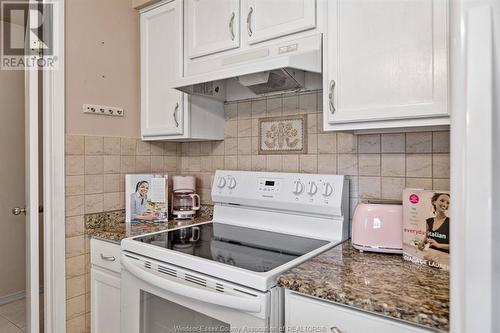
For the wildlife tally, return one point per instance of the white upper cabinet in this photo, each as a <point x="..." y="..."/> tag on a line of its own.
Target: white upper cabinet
<point x="166" y="113"/>
<point x="162" y="108"/>
<point x="386" y="64"/>
<point x="268" y="19"/>
<point x="211" y="26"/>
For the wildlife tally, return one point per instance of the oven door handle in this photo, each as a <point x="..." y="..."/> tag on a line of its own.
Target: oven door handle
<point x="196" y="293"/>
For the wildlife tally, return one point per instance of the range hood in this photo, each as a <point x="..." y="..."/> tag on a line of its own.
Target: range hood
<point x="274" y="68"/>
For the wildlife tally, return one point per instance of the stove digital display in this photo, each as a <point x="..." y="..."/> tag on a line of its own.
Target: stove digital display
<point x="269" y="186"/>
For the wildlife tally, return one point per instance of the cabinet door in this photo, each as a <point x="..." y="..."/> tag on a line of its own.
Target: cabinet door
<point x="161" y="62"/>
<point x="105" y="300"/>
<point x="268" y="19"/>
<point x="386" y="60"/>
<point x="307" y="312"/>
<point x="211" y="26"/>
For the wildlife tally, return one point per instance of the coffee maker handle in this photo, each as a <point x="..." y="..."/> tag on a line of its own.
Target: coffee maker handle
<point x="196" y="201"/>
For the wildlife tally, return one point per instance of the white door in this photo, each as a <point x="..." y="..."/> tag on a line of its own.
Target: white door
<point x="19" y="241"/>
<point x="211" y="26"/>
<point x="162" y="108"/>
<point x="386" y="60"/>
<point x="268" y="19"/>
<point x="105" y="298"/>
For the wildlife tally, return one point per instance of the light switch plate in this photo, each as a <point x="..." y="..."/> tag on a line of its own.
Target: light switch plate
<point x="103" y="110"/>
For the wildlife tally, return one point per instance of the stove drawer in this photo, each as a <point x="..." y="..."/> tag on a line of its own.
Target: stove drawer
<point x="105" y="255"/>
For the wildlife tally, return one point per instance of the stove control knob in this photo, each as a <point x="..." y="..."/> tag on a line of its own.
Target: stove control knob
<point x="221" y="183"/>
<point x="327" y="190"/>
<point x="232" y="183"/>
<point x="313" y="188"/>
<point x="298" y="187"/>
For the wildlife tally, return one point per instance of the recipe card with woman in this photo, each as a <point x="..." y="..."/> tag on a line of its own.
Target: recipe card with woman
<point x="146" y="198"/>
<point x="426" y="227"/>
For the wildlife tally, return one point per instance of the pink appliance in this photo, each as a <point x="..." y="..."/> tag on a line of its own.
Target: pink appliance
<point x="378" y="227"/>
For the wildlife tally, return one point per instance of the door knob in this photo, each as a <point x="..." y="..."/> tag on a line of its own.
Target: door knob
<point x="22" y="210"/>
<point x="19" y="210"/>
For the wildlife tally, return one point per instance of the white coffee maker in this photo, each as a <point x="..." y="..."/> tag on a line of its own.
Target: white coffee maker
<point x="185" y="202"/>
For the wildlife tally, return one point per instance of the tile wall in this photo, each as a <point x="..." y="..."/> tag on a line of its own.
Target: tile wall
<point x="378" y="165"/>
<point x="95" y="168"/>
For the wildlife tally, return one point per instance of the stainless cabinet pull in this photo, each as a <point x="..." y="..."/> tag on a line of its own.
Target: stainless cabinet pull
<point x="175" y="114"/>
<point x="330" y="96"/>
<point x="231" y="25"/>
<point x="334" y="329"/>
<point x="107" y="258"/>
<point x="249" y="22"/>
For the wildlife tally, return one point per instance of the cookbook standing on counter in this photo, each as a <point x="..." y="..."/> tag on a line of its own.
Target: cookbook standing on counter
<point x="426" y="227"/>
<point x="147" y="198"/>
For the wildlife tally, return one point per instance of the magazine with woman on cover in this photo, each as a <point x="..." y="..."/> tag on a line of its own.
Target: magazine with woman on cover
<point x="146" y="198"/>
<point x="426" y="227"/>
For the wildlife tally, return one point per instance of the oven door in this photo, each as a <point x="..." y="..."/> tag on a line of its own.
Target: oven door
<point x="157" y="298"/>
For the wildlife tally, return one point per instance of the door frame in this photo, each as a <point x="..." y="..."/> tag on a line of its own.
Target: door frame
<point x="473" y="175"/>
<point x="54" y="185"/>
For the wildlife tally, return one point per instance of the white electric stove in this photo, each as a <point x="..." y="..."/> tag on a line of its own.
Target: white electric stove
<point x="222" y="274"/>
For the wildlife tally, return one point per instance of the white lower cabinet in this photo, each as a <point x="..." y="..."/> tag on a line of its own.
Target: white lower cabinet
<point x="105" y="287"/>
<point x="302" y="312"/>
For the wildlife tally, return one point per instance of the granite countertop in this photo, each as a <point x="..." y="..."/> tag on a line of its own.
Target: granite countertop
<point x="111" y="226"/>
<point x="381" y="283"/>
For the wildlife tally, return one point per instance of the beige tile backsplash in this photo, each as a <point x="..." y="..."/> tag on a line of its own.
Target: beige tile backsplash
<point x="378" y="166"/>
<point x="95" y="169"/>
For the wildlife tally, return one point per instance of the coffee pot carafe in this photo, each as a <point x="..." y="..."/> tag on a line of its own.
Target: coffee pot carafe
<point x="185" y="202"/>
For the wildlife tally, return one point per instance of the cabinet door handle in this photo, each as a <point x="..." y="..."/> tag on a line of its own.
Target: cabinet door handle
<point x="249" y="22"/>
<point x="334" y="329"/>
<point x="107" y="258"/>
<point x="330" y="96"/>
<point x="175" y="114"/>
<point x="231" y="25"/>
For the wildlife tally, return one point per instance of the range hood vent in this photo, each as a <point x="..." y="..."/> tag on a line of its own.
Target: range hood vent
<point x="283" y="79"/>
<point x="275" y="68"/>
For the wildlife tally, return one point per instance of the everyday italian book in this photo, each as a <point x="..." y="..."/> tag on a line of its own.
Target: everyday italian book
<point x="426" y="227"/>
<point x="146" y="198"/>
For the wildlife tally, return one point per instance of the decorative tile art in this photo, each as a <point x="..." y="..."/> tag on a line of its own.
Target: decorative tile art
<point x="282" y="135"/>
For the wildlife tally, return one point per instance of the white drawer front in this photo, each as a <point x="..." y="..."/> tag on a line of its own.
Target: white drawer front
<point x="105" y="255"/>
<point x="303" y="311"/>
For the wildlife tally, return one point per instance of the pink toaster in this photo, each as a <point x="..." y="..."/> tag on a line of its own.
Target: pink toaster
<point x="378" y="227"/>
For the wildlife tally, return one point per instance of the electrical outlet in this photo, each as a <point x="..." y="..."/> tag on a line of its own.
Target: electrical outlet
<point x="103" y="110"/>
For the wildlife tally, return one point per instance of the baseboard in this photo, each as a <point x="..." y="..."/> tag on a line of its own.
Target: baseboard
<point x="14" y="296"/>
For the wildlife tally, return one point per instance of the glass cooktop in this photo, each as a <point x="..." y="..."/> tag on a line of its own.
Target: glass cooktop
<point x="251" y="249"/>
